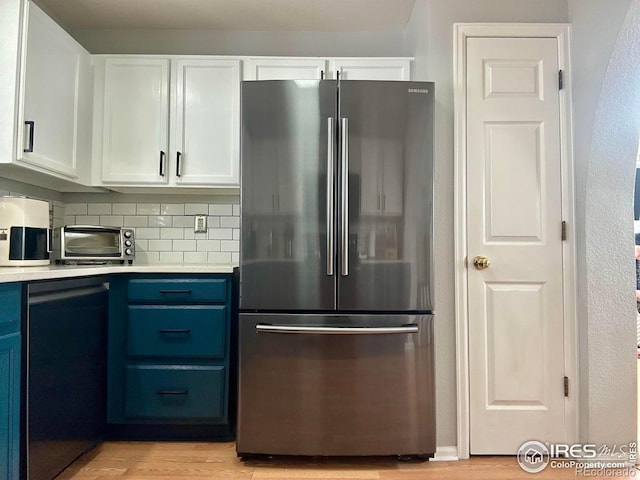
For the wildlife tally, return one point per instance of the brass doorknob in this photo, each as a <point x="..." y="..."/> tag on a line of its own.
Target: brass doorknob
<point x="481" y="262"/>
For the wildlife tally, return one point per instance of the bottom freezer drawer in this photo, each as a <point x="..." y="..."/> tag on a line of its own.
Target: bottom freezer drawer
<point x="336" y="385"/>
<point x="174" y="392"/>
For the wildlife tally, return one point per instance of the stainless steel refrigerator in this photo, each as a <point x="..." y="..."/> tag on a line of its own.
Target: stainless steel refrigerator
<point x="336" y="307"/>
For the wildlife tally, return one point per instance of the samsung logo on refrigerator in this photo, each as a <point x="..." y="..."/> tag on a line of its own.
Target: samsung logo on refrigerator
<point x="418" y="90"/>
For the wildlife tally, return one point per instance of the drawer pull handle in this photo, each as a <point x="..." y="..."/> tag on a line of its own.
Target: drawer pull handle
<point x="172" y="392"/>
<point x="175" y="330"/>
<point x="176" y="292"/>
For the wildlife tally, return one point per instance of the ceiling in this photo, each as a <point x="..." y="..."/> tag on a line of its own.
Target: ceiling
<point x="238" y="15"/>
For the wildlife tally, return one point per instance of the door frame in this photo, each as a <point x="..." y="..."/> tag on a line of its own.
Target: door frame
<point x="560" y="31"/>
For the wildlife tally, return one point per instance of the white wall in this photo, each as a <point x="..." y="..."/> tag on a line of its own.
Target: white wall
<point x="208" y="42"/>
<point x="606" y="98"/>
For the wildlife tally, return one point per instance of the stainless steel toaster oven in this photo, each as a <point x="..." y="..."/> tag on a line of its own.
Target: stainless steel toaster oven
<point x="93" y="244"/>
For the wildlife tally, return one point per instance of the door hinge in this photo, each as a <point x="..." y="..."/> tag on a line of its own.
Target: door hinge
<point x="564" y="231"/>
<point x="566" y="386"/>
<point x="560" y="80"/>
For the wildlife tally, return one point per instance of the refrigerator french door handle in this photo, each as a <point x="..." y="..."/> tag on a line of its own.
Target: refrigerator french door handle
<point x="344" y="138"/>
<point x="330" y="195"/>
<point x="402" y="329"/>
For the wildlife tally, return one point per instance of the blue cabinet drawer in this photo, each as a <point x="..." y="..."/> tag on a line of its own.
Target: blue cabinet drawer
<point x="174" y="391"/>
<point x="190" y="290"/>
<point x="10" y="307"/>
<point x="177" y="331"/>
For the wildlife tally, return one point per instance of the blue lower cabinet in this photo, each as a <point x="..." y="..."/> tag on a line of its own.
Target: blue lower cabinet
<point x="174" y="391"/>
<point x="170" y="356"/>
<point x="10" y="406"/>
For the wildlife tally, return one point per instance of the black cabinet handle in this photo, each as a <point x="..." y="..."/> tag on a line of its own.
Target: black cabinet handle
<point x="174" y="330"/>
<point x="172" y="392"/>
<point x="32" y="127"/>
<point x="162" y="154"/>
<point x="178" y="165"/>
<point x="180" y="292"/>
<point x="321" y="74"/>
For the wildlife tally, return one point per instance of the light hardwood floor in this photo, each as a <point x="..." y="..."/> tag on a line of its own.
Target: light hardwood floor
<point x="200" y="461"/>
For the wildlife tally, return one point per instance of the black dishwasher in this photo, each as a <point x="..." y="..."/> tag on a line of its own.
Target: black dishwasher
<point x="64" y="362"/>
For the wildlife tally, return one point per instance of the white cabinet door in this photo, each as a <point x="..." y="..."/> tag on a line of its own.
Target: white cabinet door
<point x="205" y="133"/>
<point x="371" y="68"/>
<point x="56" y="68"/>
<point x="285" y="68"/>
<point x="135" y="134"/>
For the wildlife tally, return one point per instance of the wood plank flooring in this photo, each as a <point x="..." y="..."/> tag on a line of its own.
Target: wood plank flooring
<point x="200" y="461"/>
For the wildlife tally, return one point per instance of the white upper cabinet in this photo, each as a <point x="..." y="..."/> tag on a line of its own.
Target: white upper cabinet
<point x="297" y="68"/>
<point x="168" y="121"/>
<point x="54" y="120"/>
<point x="205" y="133"/>
<point x="135" y="129"/>
<point x="285" y="68"/>
<point x="371" y="68"/>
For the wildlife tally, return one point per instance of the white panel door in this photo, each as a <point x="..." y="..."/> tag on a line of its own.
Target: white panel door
<point x="371" y="68"/>
<point x="205" y="140"/>
<point x="136" y="113"/>
<point x="48" y="133"/>
<point x="516" y="358"/>
<point x="285" y="68"/>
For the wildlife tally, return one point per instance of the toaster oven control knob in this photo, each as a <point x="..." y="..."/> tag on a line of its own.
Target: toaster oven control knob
<point x="128" y="251"/>
<point x="127" y="234"/>
<point x="127" y="243"/>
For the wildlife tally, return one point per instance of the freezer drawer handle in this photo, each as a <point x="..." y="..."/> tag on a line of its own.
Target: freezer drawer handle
<point x="403" y="329"/>
<point x="174" y="330"/>
<point x="177" y="292"/>
<point x="172" y="392"/>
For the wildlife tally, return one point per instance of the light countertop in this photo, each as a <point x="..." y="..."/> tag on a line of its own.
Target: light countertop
<point x="50" y="272"/>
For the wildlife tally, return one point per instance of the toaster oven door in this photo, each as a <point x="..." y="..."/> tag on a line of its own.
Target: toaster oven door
<point x="91" y="242"/>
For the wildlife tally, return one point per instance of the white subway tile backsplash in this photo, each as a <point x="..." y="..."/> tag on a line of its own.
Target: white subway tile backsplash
<point x="160" y="221"/>
<point x="183" y="221"/>
<point x="208" y="245"/>
<point x="147" y="257"/>
<point x="135" y="221"/>
<point x="171" y="257"/>
<point x="213" y="222"/>
<point x="184" y="245"/>
<point x="99" y="209"/>
<point x="220" y="234"/>
<point x="148" y="233"/>
<point x="165" y="230"/>
<point x="172" y="233"/>
<point x="229" y="246"/>
<point x="123" y="209"/>
<point x="220" y="209"/>
<point x="196" y="208"/>
<point x="148" y="209"/>
<point x="76" y="209"/>
<point x="112" y="220"/>
<point x="87" y="220"/>
<point x="195" y="257"/>
<point x="219" y="257"/>
<point x="172" y="209"/>
<point x="235" y="258"/>
<point x="230" y="222"/>
<point x="160" y="246"/>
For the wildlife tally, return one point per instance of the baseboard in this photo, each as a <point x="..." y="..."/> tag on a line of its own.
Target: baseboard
<point x="446" y="454"/>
